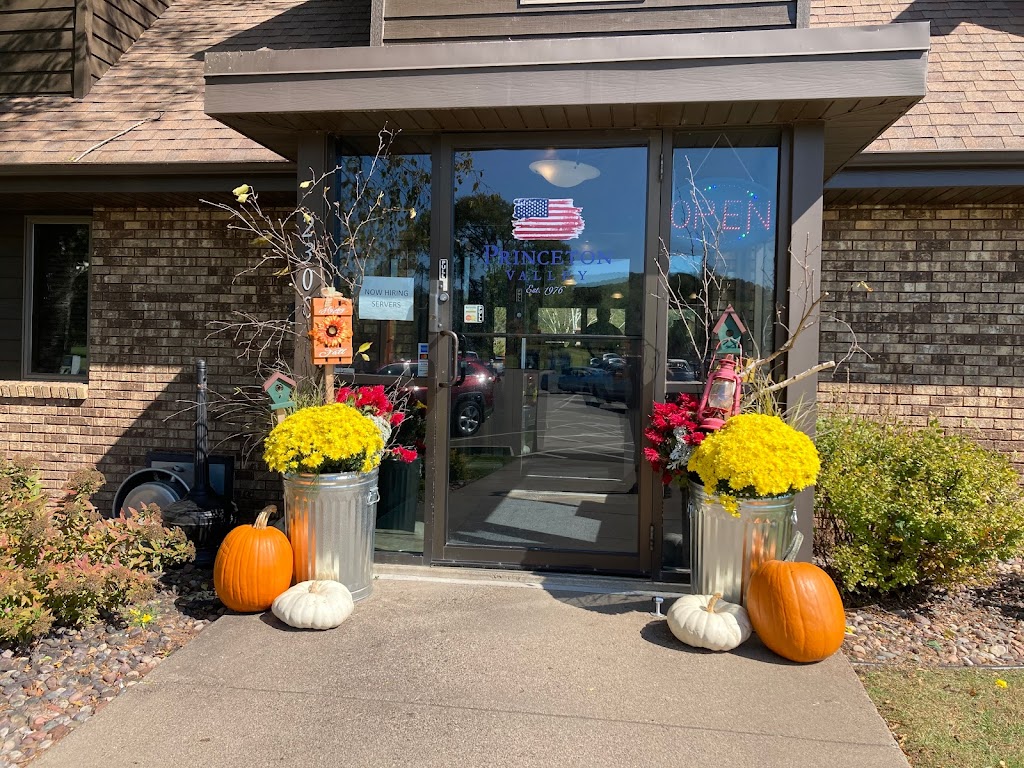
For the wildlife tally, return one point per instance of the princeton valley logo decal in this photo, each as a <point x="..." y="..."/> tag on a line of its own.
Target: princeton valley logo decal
<point x="538" y="218"/>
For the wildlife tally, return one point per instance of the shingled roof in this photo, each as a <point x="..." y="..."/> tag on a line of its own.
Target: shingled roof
<point x="149" y="107"/>
<point x="975" y="71"/>
<point x="155" y="92"/>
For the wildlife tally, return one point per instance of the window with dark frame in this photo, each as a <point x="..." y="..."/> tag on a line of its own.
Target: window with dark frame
<point x="722" y="244"/>
<point x="57" y="298"/>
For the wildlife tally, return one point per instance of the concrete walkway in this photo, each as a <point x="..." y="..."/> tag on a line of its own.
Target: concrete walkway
<point x="468" y="672"/>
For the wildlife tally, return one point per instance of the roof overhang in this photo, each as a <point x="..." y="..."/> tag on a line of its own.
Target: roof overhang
<point x="938" y="177"/>
<point x="84" y="186"/>
<point x="858" y="80"/>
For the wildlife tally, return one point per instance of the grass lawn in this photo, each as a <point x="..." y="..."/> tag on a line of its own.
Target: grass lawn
<point x="959" y="718"/>
<point x="467" y="467"/>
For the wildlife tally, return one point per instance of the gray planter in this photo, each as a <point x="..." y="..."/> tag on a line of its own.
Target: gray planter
<point x="725" y="550"/>
<point x="330" y="521"/>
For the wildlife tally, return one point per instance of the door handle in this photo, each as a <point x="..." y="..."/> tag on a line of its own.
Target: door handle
<point x="453" y="368"/>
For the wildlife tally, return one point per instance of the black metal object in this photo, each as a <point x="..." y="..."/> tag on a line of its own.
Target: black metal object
<point x="204" y="515"/>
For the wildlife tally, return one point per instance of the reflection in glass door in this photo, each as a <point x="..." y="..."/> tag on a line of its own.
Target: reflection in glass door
<point x="383" y="209"/>
<point x="548" y="251"/>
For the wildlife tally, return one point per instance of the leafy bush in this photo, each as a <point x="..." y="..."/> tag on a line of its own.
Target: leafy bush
<point x="63" y="565"/>
<point x="898" y="508"/>
<point x="458" y="468"/>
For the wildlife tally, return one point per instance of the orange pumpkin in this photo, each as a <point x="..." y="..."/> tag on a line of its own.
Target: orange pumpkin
<point x="796" y="610"/>
<point x="253" y="566"/>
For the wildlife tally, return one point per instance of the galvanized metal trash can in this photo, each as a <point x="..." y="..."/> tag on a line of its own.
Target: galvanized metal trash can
<point x="330" y="521"/>
<point x="725" y="550"/>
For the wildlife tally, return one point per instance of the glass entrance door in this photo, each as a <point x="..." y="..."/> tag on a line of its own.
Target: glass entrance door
<point x="541" y="339"/>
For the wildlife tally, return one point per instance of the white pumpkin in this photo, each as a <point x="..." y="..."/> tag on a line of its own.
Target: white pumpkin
<point x="314" y="605"/>
<point x="707" y="621"/>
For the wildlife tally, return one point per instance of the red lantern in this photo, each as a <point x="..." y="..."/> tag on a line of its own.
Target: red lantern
<point x="721" y="398"/>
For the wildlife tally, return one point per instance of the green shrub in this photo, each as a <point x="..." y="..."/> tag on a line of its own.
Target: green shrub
<point x="458" y="468"/>
<point x="63" y="565"/>
<point x="898" y="508"/>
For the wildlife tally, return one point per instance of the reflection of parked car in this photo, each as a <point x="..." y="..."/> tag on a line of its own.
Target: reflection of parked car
<point x="610" y="384"/>
<point x="472" y="399"/>
<point x="681" y="370"/>
<point x="578" y="380"/>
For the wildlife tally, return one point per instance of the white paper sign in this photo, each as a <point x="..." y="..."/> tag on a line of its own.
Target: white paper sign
<point x="473" y="313"/>
<point x="386" y="298"/>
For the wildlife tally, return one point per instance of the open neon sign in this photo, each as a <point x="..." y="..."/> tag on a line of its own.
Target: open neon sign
<point x="723" y="212"/>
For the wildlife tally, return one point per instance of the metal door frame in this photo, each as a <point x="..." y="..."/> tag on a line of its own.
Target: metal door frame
<point x="436" y="548"/>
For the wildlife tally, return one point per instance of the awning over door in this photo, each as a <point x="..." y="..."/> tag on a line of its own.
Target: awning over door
<point x="858" y="80"/>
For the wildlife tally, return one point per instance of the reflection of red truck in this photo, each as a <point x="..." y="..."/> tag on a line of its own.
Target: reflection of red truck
<point x="472" y="398"/>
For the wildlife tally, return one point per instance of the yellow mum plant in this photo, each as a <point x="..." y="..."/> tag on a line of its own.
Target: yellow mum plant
<point x="324" y="439"/>
<point x="754" y="456"/>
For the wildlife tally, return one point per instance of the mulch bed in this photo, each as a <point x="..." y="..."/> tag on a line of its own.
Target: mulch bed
<point x="61" y="680"/>
<point x="64" y="679"/>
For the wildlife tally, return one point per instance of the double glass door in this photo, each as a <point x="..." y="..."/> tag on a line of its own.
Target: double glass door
<point x="506" y="302"/>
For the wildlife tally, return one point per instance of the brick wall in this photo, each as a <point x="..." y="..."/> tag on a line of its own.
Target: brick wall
<point x="159" y="277"/>
<point x="942" y="328"/>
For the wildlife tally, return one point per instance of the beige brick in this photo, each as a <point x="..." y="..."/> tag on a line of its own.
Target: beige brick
<point x="120" y="414"/>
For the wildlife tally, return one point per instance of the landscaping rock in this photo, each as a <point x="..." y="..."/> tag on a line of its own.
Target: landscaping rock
<point x="977" y="627"/>
<point x="54" y="685"/>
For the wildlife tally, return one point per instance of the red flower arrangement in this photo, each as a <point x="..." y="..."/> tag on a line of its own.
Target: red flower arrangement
<point x="405" y="455"/>
<point x="372" y="401"/>
<point x="673" y="434"/>
<point x="375" y="403"/>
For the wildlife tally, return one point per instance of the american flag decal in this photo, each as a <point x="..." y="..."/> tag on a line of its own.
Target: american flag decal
<point x="537" y="218"/>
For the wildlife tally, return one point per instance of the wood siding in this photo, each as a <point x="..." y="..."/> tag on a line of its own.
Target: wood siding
<point x="63" y="46"/>
<point x="408" y="21"/>
<point x="116" y="24"/>
<point x="37" y="46"/>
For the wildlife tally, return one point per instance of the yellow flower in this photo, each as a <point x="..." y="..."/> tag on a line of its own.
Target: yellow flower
<point x="754" y="456"/>
<point x="1002" y="683"/>
<point x="323" y="439"/>
<point x="242" y="193"/>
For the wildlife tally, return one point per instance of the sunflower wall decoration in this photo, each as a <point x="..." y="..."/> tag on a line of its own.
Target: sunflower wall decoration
<point x="331" y="330"/>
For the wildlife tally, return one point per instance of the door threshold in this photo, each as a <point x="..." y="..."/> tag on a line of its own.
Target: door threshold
<point x="551" y="582"/>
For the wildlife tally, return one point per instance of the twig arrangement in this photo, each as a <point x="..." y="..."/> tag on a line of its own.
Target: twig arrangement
<point x="312" y="252"/>
<point x="699" y="309"/>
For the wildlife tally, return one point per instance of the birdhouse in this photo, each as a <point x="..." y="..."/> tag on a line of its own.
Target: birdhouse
<point x="281" y="390"/>
<point x="729" y="329"/>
